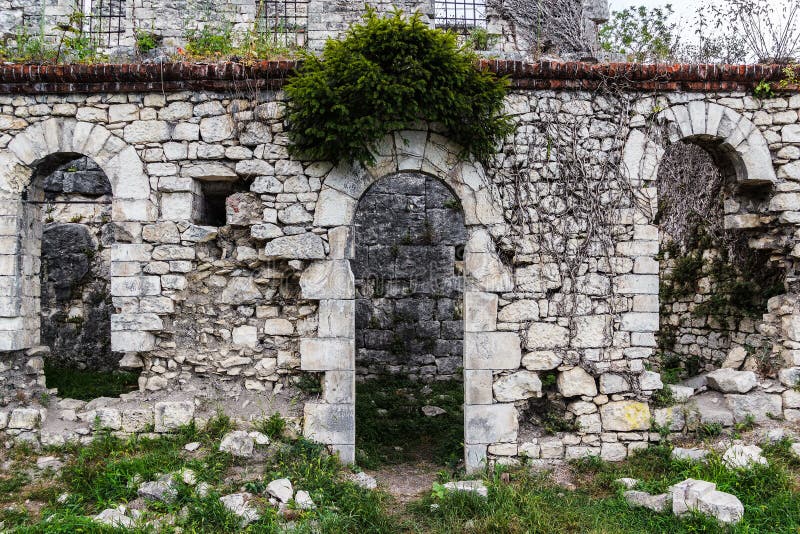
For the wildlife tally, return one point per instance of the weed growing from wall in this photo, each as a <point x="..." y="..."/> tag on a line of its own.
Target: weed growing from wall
<point x="387" y="74"/>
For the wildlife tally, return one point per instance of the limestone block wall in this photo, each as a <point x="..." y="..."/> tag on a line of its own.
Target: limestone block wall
<point x="703" y="333"/>
<point x="409" y="276"/>
<point x="243" y="314"/>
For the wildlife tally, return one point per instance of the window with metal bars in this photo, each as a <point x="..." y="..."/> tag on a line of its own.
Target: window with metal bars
<point x="460" y="16"/>
<point x="103" y="21"/>
<point x="285" y="21"/>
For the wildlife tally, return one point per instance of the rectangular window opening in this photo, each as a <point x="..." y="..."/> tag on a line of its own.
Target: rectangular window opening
<point x="284" y="22"/>
<point x="460" y="16"/>
<point x="103" y="21"/>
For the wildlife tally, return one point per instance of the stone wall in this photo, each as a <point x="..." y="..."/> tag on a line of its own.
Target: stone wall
<point x="409" y="270"/>
<point x="241" y="316"/>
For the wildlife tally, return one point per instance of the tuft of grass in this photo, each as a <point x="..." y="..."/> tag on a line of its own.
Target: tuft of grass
<point x="87" y="385"/>
<point x="273" y="426"/>
<point x="219" y="425"/>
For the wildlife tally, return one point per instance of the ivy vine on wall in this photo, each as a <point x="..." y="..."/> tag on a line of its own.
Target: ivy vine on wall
<point x="387" y="74"/>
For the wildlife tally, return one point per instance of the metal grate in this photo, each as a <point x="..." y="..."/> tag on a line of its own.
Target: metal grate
<point x="460" y="16"/>
<point x="104" y="21"/>
<point x="285" y="21"/>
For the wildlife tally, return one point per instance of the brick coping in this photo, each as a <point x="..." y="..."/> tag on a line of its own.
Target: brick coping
<point x="238" y="77"/>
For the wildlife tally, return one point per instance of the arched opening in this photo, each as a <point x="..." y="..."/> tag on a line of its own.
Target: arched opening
<point x="409" y="278"/>
<point x="67" y="211"/>
<point x="715" y="281"/>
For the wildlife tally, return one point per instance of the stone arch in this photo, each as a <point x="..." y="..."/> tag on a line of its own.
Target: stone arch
<point x="737" y="144"/>
<point x="19" y="246"/>
<point x="331" y="420"/>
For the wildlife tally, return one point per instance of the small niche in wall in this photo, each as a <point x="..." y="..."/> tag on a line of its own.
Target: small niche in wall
<point x="212" y="202"/>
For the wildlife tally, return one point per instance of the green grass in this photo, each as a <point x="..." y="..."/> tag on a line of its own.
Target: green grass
<point x="106" y="473"/>
<point x="531" y="503"/>
<point x="389" y="415"/>
<point x="87" y="385"/>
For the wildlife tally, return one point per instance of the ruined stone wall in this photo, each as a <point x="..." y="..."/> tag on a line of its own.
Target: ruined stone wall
<point x="244" y="315"/>
<point x="409" y="279"/>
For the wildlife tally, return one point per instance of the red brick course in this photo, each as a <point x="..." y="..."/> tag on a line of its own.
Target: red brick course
<point x="171" y="77"/>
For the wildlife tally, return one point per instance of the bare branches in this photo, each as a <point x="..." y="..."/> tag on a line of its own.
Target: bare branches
<point x="689" y="185"/>
<point x="564" y="24"/>
<point x="770" y="29"/>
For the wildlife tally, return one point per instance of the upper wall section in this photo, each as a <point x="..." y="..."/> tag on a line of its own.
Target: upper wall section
<point x="515" y="29"/>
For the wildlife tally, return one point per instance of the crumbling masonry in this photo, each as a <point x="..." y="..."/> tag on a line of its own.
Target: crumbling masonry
<point x="232" y="311"/>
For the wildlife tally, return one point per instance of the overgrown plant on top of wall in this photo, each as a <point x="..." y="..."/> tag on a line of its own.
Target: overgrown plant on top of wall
<point x="384" y="75"/>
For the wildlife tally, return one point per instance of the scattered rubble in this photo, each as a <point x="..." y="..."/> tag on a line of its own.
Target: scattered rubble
<point x="469" y="486"/>
<point x="237" y="503"/>
<point x="364" y="480"/>
<point x="743" y="456"/>
<point x="238" y="443"/>
<point x="657" y="503"/>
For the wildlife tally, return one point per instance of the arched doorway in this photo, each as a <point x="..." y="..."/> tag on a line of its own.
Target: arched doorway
<point x="409" y="279"/>
<point x="331" y="418"/>
<point x="68" y="206"/>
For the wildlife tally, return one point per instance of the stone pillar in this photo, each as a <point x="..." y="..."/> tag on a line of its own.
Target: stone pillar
<point x="19" y="284"/>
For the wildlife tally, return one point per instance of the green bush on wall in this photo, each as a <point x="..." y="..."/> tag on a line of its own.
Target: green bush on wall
<point x="385" y="75"/>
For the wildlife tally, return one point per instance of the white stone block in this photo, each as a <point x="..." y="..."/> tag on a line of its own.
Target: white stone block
<point x="517" y="386"/>
<point x="576" y="382"/>
<point x="492" y="350"/>
<point x="245" y="336"/>
<point x="330" y="423"/>
<point x="327" y="354"/>
<point x="328" y="280"/>
<point x="547" y="336"/>
<point x="480" y="312"/>
<point x="170" y="416"/>
<point x="132" y="341"/>
<point x="493" y="423"/>
<point x="625" y="416"/>
<point x="337" y="318"/>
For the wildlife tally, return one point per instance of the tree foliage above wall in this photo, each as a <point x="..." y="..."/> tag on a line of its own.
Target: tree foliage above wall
<point x="387" y="74"/>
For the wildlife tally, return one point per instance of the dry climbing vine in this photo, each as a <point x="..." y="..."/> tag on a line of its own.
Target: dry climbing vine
<point x="569" y="189"/>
